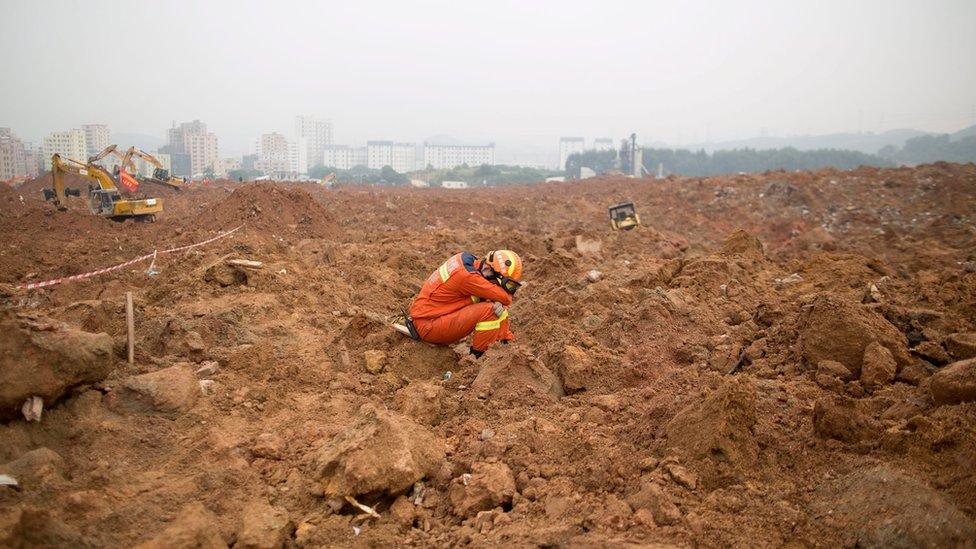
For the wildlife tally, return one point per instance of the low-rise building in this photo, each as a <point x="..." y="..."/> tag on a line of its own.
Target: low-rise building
<point x="344" y="157"/>
<point x="445" y="157"/>
<point x="399" y="156"/>
<point x="454" y="184"/>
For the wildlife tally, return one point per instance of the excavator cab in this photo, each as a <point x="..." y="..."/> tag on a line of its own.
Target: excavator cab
<point x="624" y="216"/>
<point x="102" y="201"/>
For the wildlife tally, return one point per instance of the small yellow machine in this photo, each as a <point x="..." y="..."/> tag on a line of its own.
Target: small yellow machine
<point x="624" y="216"/>
<point x="105" y="200"/>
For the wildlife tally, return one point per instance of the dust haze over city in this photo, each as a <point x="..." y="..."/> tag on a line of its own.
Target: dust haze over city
<point x="519" y="74"/>
<point x="487" y="274"/>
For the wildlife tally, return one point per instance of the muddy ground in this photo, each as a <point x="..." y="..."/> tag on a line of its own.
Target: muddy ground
<point x="775" y="359"/>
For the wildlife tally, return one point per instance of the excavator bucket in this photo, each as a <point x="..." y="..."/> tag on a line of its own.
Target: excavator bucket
<point x="624" y="216"/>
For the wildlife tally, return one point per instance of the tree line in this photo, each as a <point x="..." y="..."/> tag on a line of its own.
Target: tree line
<point x="701" y="163"/>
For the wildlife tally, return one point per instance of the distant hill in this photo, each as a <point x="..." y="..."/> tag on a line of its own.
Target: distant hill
<point x="868" y="143"/>
<point x="965" y="132"/>
<point x="148" y="143"/>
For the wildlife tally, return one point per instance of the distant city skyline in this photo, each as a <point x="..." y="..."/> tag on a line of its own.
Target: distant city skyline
<point x="518" y="74"/>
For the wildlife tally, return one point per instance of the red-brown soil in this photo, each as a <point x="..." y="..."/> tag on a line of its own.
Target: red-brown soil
<point x="709" y="387"/>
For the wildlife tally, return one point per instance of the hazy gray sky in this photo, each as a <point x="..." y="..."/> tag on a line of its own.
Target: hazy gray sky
<point x="505" y="71"/>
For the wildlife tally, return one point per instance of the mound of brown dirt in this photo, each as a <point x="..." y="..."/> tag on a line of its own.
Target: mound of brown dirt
<point x="835" y="329"/>
<point x="718" y="433"/>
<point x="882" y="507"/>
<point x="274" y="209"/>
<point x="381" y="453"/>
<point x="45" y="358"/>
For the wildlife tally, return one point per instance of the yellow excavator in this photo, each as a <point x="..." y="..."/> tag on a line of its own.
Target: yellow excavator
<point x="160" y="176"/>
<point x="104" y="200"/>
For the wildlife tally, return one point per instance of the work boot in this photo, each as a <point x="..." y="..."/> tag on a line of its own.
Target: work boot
<point x="476" y="352"/>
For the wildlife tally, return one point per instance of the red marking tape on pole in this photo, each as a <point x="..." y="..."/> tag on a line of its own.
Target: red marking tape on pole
<point x="52" y="282"/>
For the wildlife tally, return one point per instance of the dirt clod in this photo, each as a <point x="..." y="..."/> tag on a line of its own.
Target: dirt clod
<point x="954" y="384"/>
<point x="489" y="485"/>
<point x="45" y="358"/>
<point x="378" y="453"/>
<point x="168" y="392"/>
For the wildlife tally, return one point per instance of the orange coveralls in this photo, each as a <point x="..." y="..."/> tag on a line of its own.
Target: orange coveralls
<point x="455" y="301"/>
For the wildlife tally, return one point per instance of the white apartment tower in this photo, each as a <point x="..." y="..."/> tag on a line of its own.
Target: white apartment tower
<point x="442" y="157"/>
<point x="568" y="146"/>
<point x="97" y="137"/>
<point x="70" y="144"/>
<point x="318" y="135"/>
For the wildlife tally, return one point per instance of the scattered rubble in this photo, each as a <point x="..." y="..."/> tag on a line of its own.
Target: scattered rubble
<point x="711" y="386"/>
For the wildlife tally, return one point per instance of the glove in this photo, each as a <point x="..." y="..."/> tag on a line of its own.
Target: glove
<point x="498" y="309"/>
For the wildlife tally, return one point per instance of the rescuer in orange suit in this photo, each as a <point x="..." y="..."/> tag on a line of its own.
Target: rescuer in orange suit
<point x="467" y="294"/>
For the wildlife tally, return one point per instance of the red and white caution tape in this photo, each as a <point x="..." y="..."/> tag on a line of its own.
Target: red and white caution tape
<point x="52" y="282"/>
<point x="218" y="237"/>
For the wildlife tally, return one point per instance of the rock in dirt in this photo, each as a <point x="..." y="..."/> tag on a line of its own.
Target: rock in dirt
<point x="36" y="466"/>
<point x="835" y="329"/>
<point x="263" y="527"/>
<point x="653" y="498"/>
<point x="588" y="246"/>
<point x="717" y="434"/>
<point x="838" y="418"/>
<point x="168" y="392"/>
<point x="195" y="527"/>
<point x="374" y="360"/>
<point x="961" y="346"/>
<point x="832" y="368"/>
<point x="575" y="369"/>
<point x="508" y="371"/>
<point x="380" y="452"/>
<point x="268" y="446"/>
<point x="682" y="476"/>
<point x="489" y="485"/>
<point x="744" y="245"/>
<point x="954" y="384"/>
<point x="45" y="358"/>
<point x="882" y="507"/>
<point x="877" y="367"/>
<point x="41" y="528"/>
<point x="931" y="351"/>
<point x="420" y="400"/>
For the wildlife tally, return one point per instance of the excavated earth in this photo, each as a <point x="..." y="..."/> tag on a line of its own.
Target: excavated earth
<point x="782" y="359"/>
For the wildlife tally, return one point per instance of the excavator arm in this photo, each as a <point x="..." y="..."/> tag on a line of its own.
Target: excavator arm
<point x="59" y="193"/>
<point x="160" y="175"/>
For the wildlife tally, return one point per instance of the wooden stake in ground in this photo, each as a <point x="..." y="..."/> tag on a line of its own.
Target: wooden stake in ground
<point x="131" y="327"/>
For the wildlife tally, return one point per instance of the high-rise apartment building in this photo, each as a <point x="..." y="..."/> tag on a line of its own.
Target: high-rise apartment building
<point x="203" y="153"/>
<point x="568" y="146"/>
<point x="97" y="137"/>
<point x="318" y="135"/>
<point x="274" y="155"/>
<point x="602" y="144"/>
<point x="70" y="144"/>
<point x="193" y="150"/>
<point x="451" y="156"/>
<point x="13" y="156"/>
